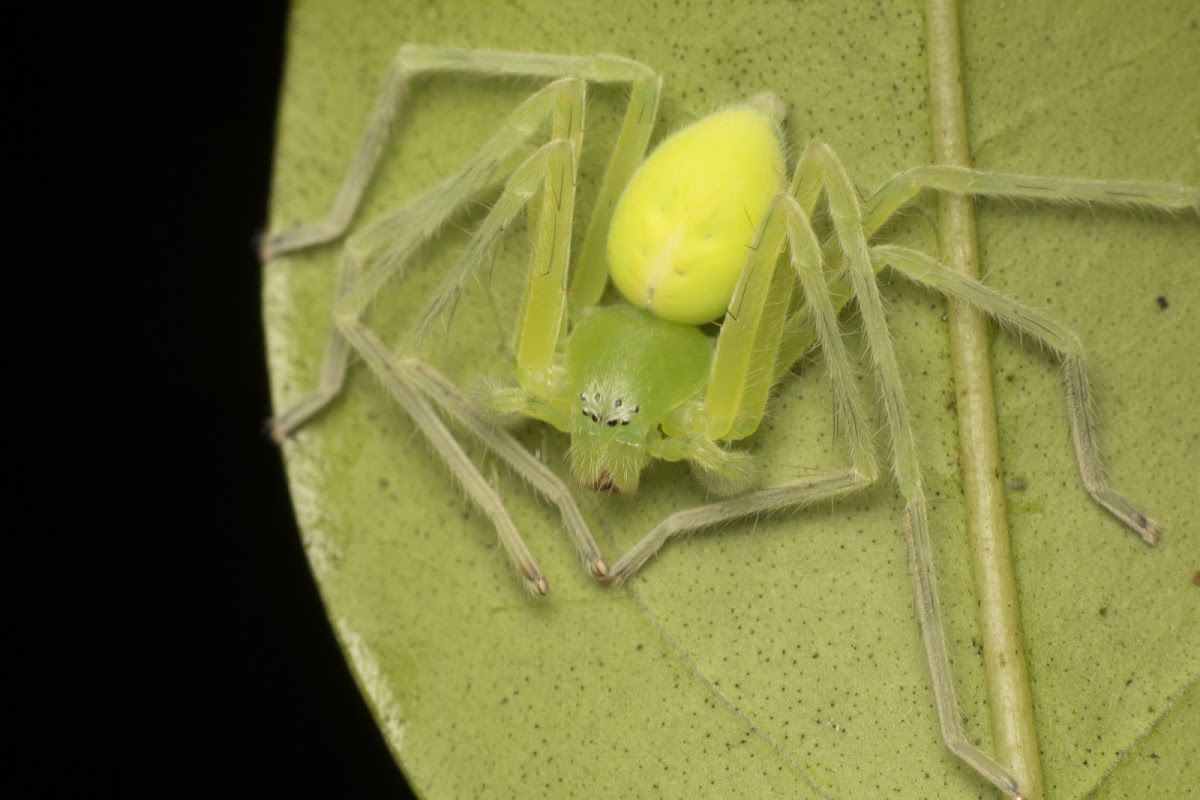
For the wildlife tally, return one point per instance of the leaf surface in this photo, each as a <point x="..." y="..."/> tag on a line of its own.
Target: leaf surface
<point x="777" y="657"/>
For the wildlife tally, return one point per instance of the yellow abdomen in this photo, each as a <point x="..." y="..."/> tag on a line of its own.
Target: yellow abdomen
<point x="680" y="231"/>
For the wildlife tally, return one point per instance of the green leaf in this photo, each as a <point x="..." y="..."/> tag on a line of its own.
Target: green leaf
<point x="777" y="658"/>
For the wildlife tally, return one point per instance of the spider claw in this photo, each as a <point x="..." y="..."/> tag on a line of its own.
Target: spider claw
<point x="1151" y="532"/>
<point x="271" y="430"/>
<point x="265" y="246"/>
<point x="537" y="584"/>
<point x="599" y="569"/>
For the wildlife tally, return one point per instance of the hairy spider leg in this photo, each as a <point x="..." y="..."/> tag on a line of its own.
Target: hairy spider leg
<point x="415" y="60"/>
<point x="388" y="244"/>
<point x="902" y="188"/>
<point x="820" y="171"/>
<point x="391" y="241"/>
<point x="745" y="366"/>
<point x="1063" y="342"/>
<point x="805" y="258"/>
<point x="739" y="410"/>
<point x="846" y="218"/>
<point x="526" y="181"/>
<point x="736" y="397"/>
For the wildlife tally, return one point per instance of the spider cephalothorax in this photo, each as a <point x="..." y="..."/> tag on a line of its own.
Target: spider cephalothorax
<point x="635" y="374"/>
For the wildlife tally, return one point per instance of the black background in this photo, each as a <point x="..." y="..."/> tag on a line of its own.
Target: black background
<point x="162" y="634"/>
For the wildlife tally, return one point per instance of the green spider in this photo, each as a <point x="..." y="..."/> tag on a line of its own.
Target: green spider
<point x="708" y="228"/>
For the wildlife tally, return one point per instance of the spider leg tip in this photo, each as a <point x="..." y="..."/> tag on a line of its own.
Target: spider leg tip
<point x="613" y="576"/>
<point x="274" y="432"/>
<point x="265" y="247"/>
<point x="535" y="582"/>
<point x="1147" y="529"/>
